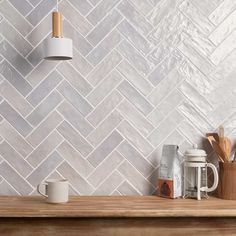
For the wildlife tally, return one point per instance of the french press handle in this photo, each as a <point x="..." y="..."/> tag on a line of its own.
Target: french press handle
<point x="216" y="178"/>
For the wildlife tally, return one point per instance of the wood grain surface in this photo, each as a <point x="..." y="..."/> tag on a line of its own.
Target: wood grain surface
<point x="145" y="206"/>
<point x="118" y="226"/>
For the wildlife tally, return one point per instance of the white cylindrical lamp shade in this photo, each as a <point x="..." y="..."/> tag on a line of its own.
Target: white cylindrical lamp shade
<point x="58" y="49"/>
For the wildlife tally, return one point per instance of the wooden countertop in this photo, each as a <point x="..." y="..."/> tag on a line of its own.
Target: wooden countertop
<point x="145" y="206"/>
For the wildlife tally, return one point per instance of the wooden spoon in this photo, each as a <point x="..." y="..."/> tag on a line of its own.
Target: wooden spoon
<point x="216" y="148"/>
<point x="221" y="137"/>
<point x="227" y="147"/>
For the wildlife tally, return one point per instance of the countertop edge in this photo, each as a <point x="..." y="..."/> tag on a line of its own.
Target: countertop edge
<point x="116" y="207"/>
<point x="121" y="214"/>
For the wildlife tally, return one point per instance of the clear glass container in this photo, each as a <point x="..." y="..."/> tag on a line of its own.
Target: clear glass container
<point x="195" y="174"/>
<point x="195" y="177"/>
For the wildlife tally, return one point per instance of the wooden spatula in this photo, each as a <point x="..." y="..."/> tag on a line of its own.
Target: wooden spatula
<point x="221" y="136"/>
<point x="221" y="153"/>
<point x="227" y="147"/>
<point x="217" y="148"/>
<point x="215" y="135"/>
<point x="224" y="142"/>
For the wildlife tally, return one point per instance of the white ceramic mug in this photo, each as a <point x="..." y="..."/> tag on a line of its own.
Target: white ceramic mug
<point x="55" y="190"/>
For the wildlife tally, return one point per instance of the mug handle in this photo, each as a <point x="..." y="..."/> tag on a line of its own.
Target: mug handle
<point x="216" y="178"/>
<point x="38" y="189"/>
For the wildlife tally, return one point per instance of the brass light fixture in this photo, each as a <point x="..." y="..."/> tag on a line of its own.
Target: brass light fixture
<point x="57" y="47"/>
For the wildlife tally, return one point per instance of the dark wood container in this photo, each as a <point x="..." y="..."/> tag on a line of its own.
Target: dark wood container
<point x="227" y="181"/>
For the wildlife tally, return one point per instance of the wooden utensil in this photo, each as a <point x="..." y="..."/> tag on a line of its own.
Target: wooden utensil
<point x="216" y="148"/>
<point x="215" y="135"/>
<point x="221" y="136"/>
<point x="220" y="152"/>
<point x="225" y="142"/>
<point x="227" y="147"/>
<point x="234" y="160"/>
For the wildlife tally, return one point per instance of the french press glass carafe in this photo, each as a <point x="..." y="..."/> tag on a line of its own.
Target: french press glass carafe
<point x="195" y="174"/>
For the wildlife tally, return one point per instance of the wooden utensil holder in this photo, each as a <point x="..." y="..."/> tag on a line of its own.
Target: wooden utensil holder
<point x="227" y="181"/>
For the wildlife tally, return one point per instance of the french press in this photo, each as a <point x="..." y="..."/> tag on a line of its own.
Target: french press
<point x="195" y="174"/>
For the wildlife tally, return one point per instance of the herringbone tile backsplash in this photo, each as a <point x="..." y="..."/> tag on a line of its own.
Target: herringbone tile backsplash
<point x="144" y="73"/>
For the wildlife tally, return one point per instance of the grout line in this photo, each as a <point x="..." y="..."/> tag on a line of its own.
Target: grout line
<point x="143" y="77"/>
<point x="100" y="42"/>
<point x="145" y="55"/>
<point x="24" y="17"/>
<point x="95" y="7"/>
<point x="36" y="147"/>
<point x="42" y="101"/>
<point x="81" y="15"/>
<point x="33" y="8"/>
<point x="126" y="180"/>
<point x="143" y="97"/>
<point x="109" y="133"/>
<point x="136" y="149"/>
<point x="72" y="187"/>
<point x="47" y="175"/>
<point x="95" y="26"/>
<point x="4" y="179"/>
<point x="130" y="162"/>
<point x="23" y="77"/>
<point x="70" y="141"/>
<point x="139" y="113"/>
<point x="156" y="106"/>
<point x="104" y="180"/>
<point x="73" y="27"/>
<point x="65" y="77"/>
<point x="103" y="80"/>
<point x="24" y="178"/>
<point x="183" y="134"/>
<point x="37" y="86"/>
<point x="24" y="57"/>
<point x="116" y="189"/>
<point x="108" y="112"/>
<point x="35" y="68"/>
<point x="24" y="138"/>
<point x="136" y="51"/>
<point x="84" y="97"/>
<point x="204" y="117"/>
<point x="77" y="51"/>
<point x="35" y="47"/>
<point x="30" y="3"/>
<point x="82" y="136"/>
<point x="85" y="178"/>
<point x="49" y="114"/>
<point x="101" y="163"/>
<point x="24" y="37"/>
<point x="24" y="158"/>
<point x="37" y="44"/>
<point x="4" y="98"/>
<point x="131" y="23"/>
<point x="41" y="162"/>
<point x="101" y="62"/>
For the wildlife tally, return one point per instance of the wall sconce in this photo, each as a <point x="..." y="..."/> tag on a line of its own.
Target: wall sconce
<point x="57" y="47"/>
